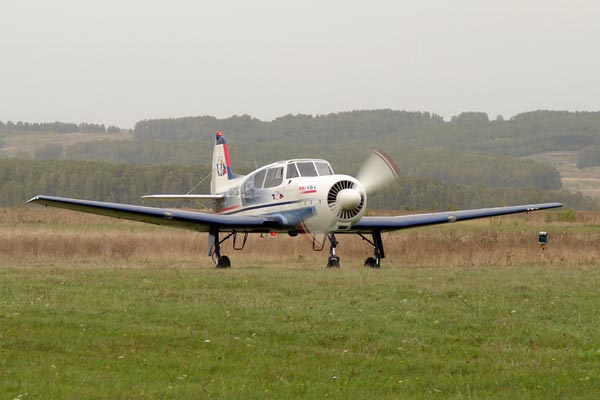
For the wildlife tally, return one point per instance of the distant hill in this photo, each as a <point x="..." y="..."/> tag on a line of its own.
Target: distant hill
<point x="526" y="133"/>
<point x="469" y="150"/>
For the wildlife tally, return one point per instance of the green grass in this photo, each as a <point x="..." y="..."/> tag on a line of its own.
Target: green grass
<point x="140" y="331"/>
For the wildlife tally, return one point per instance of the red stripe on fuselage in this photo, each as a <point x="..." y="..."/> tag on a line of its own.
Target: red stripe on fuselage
<point x="226" y="151"/>
<point x="228" y="209"/>
<point x="308" y="191"/>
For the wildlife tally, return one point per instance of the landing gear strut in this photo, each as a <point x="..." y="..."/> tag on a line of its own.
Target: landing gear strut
<point x="333" y="261"/>
<point x="214" y="249"/>
<point x="377" y="243"/>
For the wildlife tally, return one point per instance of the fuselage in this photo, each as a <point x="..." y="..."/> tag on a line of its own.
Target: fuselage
<point x="303" y="192"/>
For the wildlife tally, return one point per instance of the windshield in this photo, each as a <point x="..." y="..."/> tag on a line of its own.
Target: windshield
<point x="307" y="168"/>
<point x="323" y="168"/>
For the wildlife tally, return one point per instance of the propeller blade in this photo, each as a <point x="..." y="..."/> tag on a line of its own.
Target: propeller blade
<point x="377" y="172"/>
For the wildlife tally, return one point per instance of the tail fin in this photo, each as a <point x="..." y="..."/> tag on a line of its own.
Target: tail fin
<point x="221" y="167"/>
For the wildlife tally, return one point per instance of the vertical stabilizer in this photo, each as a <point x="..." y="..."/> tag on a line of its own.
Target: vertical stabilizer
<point x="221" y="166"/>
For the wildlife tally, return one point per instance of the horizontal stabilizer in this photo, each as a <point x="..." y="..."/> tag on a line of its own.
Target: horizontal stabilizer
<point x="183" y="197"/>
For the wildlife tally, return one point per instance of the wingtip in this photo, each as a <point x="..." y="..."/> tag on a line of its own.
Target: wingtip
<point x="33" y="199"/>
<point x="544" y="206"/>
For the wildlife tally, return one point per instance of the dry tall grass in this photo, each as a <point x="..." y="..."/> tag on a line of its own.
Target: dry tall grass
<point x="59" y="236"/>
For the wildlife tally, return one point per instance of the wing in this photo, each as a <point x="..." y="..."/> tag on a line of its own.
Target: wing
<point x="386" y="224"/>
<point x="198" y="221"/>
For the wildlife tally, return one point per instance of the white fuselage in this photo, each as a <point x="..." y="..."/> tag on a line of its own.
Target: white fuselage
<point x="304" y="192"/>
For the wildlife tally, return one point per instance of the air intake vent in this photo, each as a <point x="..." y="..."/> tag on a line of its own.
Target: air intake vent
<point x="332" y="196"/>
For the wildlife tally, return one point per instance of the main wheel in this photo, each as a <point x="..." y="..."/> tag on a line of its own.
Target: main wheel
<point x="224" y="262"/>
<point x="371" y="263"/>
<point x="333" y="262"/>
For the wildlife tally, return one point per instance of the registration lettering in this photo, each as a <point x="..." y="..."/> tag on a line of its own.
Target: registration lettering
<point x="307" y="189"/>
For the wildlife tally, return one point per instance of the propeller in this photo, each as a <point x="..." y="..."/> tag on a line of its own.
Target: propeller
<point x="347" y="198"/>
<point x="377" y="171"/>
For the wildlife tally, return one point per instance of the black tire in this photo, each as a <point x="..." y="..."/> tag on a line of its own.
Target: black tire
<point x="224" y="262"/>
<point x="333" y="262"/>
<point x="371" y="263"/>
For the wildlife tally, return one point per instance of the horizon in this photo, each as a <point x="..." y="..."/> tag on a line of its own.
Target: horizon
<point x="445" y="118"/>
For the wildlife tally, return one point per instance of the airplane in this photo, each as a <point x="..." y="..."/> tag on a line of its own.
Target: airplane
<point x="299" y="196"/>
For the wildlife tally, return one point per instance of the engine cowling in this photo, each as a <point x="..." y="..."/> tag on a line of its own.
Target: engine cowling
<point x="347" y="201"/>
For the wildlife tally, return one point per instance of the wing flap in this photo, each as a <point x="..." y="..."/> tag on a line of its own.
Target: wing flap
<point x="385" y="224"/>
<point x="198" y="221"/>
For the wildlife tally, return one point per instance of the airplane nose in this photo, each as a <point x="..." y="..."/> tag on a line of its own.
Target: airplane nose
<point x="349" y="199"/>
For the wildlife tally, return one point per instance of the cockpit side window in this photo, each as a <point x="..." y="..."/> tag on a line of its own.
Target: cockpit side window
<point x="323" y="168"/>
<point x="259" y="178"/>
<point x="292" y="171"/>
<point x="274" y="177"/>
<point x="307" y="168"/>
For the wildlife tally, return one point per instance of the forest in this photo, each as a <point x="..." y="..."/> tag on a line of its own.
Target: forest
<point x="448" y="166"/>
<point x="57" y="127"/>
<point x="523" y="134"/>
<point x="468" y="161"/>
<point x="125" y="183"/>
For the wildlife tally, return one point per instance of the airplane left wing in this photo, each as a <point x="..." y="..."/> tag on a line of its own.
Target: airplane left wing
<point x="387" y="224"/>
<point x="198" y="221"/>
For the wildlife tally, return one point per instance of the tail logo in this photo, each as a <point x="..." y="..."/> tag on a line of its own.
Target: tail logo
<point x="221" y="168"/>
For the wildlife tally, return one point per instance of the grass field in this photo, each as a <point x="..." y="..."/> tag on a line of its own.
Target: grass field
<point x="97" y="308"/>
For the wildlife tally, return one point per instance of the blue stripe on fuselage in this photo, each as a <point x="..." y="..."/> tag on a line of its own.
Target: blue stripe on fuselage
<point x="281" y="203"/>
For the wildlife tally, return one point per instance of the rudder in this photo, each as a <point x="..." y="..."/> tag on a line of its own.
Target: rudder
<point x="221" y="167"/>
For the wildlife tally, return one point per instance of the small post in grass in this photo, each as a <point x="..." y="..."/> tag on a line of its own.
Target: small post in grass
<point x="543" y="241"/>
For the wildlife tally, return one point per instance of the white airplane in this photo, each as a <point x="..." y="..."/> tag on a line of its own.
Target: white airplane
<point x="302" y="196"/>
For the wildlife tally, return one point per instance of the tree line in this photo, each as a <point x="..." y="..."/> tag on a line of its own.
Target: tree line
<point x="57" y="127"/>
<point x="296" y="128"/>
<point x="23" y="179"/>
<point x="125" y="183"/>
<point x="524" y="134"/>
<point x="444" y="165"/>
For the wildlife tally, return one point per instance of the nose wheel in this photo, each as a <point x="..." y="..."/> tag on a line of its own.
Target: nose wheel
<point x="333" y="262"/>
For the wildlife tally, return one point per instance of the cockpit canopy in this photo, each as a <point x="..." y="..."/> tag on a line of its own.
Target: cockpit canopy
<point x="306" y="168"/>
<point x="272" y="175"/>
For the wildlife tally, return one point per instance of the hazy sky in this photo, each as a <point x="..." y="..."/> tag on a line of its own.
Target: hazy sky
<point x="117" y="62"/>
